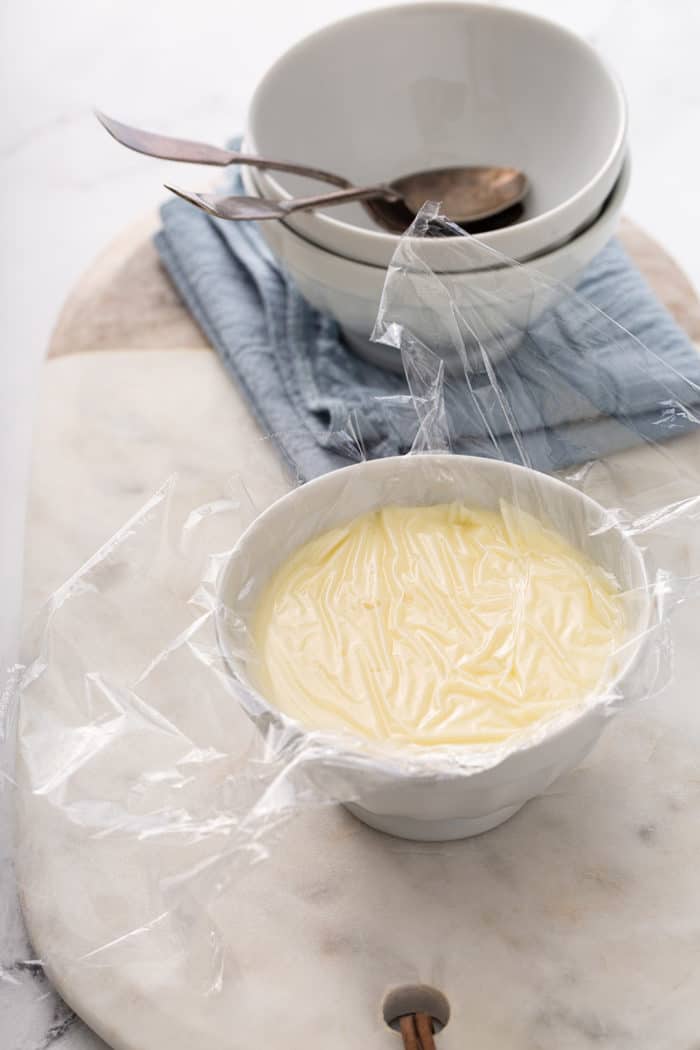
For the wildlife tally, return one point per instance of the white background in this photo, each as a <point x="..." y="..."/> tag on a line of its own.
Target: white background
<point x="189" y="68"/>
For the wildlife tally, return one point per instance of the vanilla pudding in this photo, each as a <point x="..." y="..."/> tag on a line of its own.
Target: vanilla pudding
<point x="436" y="625"/>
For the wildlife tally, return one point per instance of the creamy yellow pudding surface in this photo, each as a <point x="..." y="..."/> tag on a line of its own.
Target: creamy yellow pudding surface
<point x="436" y="625"/>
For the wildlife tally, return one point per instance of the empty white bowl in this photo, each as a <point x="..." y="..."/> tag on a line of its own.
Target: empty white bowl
<point x="350" y="291"/>
<point x="417" y="86"/>
<point x="430" y="796"/>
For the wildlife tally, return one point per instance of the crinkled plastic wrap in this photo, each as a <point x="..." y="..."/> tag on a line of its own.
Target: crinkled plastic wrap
<point x="151" y="770"/>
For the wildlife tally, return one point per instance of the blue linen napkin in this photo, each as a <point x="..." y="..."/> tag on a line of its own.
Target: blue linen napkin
<point x="325" y="406"/>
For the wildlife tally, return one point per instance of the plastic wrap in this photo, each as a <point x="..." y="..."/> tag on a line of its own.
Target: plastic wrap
<point x="145" y="749"/>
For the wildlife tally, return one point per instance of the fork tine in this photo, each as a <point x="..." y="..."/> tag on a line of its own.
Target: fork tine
<point x="199" y="200"/>
<point x="234" y="209"/>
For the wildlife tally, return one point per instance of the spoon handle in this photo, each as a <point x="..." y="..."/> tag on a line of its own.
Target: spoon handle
<point x="188" y="152"/>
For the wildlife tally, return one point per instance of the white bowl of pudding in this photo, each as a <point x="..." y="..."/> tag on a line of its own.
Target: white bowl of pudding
<point x="432" y="788"/>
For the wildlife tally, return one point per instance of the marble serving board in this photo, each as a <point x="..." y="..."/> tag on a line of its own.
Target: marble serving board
<point x="575" y="924"/>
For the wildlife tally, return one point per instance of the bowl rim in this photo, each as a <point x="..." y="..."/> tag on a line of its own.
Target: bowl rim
<point x="434" y="762"/>
<point x="388" y="239"/>
<point x="614" y="199"/>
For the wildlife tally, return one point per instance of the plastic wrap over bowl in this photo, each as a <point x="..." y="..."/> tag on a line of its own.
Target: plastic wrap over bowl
<point x="440" y="793"/>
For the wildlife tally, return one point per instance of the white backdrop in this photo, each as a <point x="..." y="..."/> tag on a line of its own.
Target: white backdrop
<point x="189" y="67"/>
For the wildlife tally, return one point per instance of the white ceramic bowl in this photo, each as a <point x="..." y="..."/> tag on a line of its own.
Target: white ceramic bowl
<point x="350" y="291"/>
<point x="406" y="88"/>
<point x="429" y="798"/>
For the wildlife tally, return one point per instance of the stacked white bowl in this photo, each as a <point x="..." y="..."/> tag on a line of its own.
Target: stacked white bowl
<point x="429" y="85"/>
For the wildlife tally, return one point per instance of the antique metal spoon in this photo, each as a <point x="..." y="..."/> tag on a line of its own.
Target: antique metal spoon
<point x="468" y="194"/>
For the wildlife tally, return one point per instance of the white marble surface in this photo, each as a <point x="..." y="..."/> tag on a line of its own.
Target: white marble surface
<point x="575" y="924"/>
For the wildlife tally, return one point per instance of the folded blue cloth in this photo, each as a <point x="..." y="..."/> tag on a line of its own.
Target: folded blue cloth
<point x="556" y="406"/>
